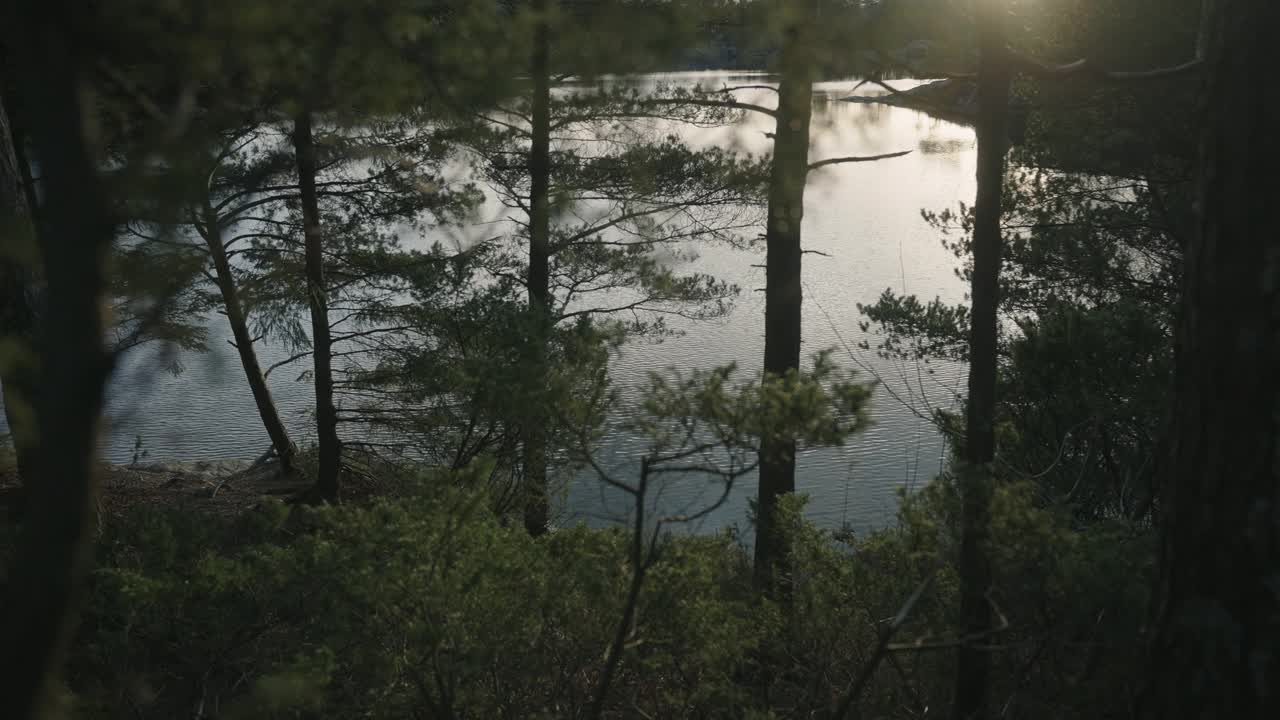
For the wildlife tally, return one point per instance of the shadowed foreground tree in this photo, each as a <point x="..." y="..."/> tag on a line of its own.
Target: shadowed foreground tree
<point x="17" y="313"/>
<point x="997" y="66"/>
<point x="49" y="564"/>
<point x="1216" y="647"/>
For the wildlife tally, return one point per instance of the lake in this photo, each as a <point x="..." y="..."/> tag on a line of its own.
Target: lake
<point x="865" y="221"/>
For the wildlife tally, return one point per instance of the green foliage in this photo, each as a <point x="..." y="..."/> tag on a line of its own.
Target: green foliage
<point x="918" y="331"/>
<point x="1094" y="224"/>
<point x="398" y="609"/>
<point x="1073" y="597"/>
<point x="431" y="606"/>
<point x="629" y="206"/>
<point x="822" y="406"/>
<point x="155" y="298"/>
<point x="1096" y="445"/>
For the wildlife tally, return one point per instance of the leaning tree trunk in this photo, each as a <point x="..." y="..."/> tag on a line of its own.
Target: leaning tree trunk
<point x="48" y="566"/>
<point x="1216" y="639"/>
<point x="536" y="502"/>
<point x="284" y="447"/>
<point x="783" y="289"/>
<point x="17" y="312"/>
<point x="327" y="488"/>
<point x="973" y="664"/>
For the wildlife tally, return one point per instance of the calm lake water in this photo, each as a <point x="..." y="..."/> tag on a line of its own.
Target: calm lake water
<point x="866" y="220"/>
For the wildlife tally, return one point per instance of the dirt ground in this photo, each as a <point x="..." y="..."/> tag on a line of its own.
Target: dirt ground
<point x="223" y="488"/>
<point x="215" y="487"/>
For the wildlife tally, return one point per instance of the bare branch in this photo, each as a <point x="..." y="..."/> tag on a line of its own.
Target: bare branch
<point x="861" y="159"/>
<point x="1087" y="68"/>
<point x="882" y="649"/>
<point x="749" y="87"/>
<point x="971" y="639"/>
<point x="286" y="361"/>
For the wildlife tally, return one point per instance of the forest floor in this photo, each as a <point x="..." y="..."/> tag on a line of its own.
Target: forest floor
<point x="222" y="487"/>
<point x="217" y="487"/>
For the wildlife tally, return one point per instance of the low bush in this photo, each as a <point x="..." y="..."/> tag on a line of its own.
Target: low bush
<point x="430" y="606"/>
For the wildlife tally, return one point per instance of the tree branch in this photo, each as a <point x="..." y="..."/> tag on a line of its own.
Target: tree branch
<point x="862" y="159"/>
<point x="1087" y="68"/>
<point x="284" y="362"/>
<point x="882" y="649"/>
<point x="749" y="87"/>
<point x="729" y="104"/>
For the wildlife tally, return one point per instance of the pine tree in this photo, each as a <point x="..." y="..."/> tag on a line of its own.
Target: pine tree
<point x="551" y="154"/>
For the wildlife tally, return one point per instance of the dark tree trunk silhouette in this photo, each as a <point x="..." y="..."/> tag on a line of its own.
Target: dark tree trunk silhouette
<point x="536" y="501"/>
<point x="19" y="136"/>
<point x="1216" y="627"/>
<point x="330" y="461"/>
<point x="994" y="74"/>
<point x="49" y="563"/>
<point x="17" y="311"/>
<point x="212" y="232"/>
<point x="783" y="284"/>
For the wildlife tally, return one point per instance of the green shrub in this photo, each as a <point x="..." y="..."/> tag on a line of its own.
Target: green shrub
<point x="422" y="606"/>
<point x="430" y="606"/>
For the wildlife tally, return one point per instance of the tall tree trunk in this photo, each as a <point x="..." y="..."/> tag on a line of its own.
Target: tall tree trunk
<point x="284" y="447"/>
<point x="536" y="502"/>
<point x="994" y="74"/>
<point x="1216" y="628"/>
<point x="783" y="283"/>
<point x="17" y="312"/>
<point x="20" y="135"/>
<point x="330" y="461"/>
<point x="48" y="568"/>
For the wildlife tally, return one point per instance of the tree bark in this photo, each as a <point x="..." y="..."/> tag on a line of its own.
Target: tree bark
<point x="327" y="483"/>
<point x="536" y="501"/>
<point x="783" y="285"/>
<point x="44" y="581"/>
<point x="17" y="311"/>
<point x="1216" y="625"/>
<point x="969" y="700"/>
<point x="212" y="232"/>
<point x="19" y="135"/>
